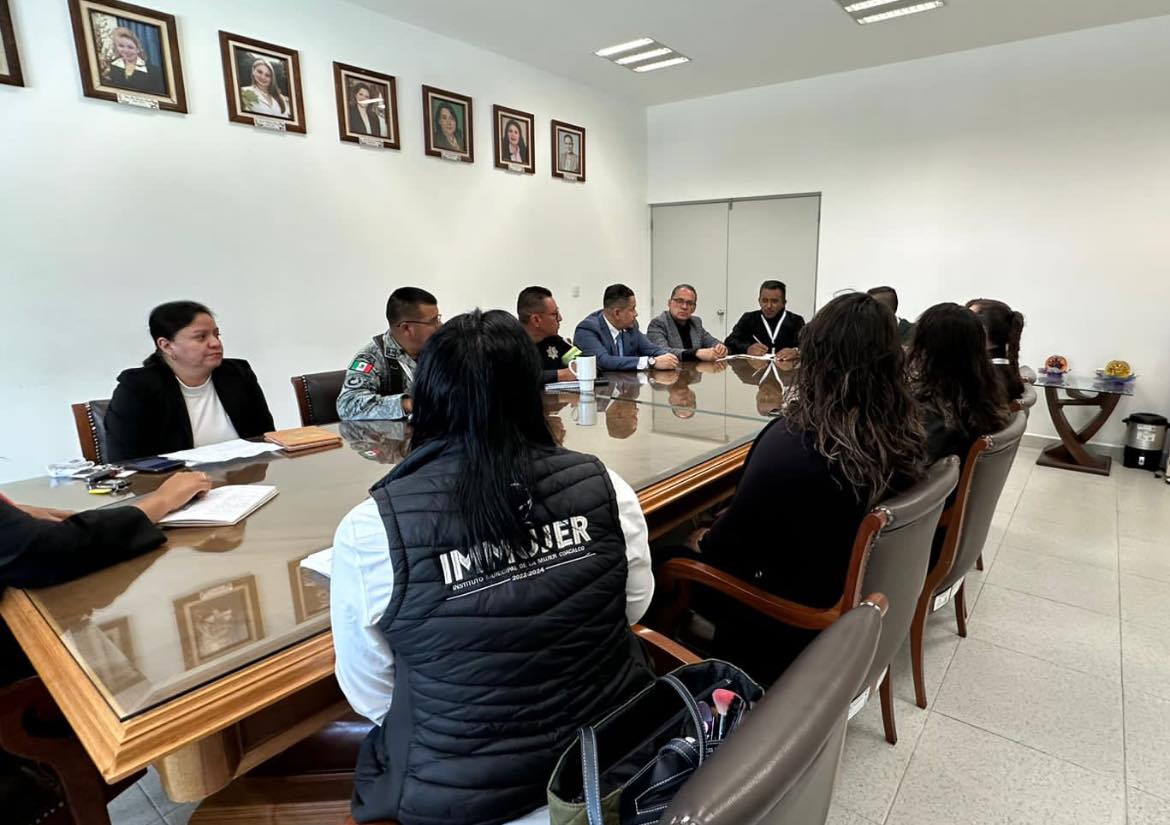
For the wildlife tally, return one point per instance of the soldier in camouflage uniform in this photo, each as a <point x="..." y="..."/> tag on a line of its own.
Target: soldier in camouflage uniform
<point x="380" y="377"/>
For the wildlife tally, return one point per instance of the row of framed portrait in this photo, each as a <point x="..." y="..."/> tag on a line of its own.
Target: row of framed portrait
<point x="130" y="54"/>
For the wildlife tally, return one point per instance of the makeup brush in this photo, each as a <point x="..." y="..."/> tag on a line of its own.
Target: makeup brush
<point x="723" y="699"/>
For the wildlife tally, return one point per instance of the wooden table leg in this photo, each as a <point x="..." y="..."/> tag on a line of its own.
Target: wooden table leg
<point x="1070" y="453"/>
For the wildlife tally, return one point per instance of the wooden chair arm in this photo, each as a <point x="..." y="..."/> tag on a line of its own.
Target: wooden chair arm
<point x="878" y="600"/>
<point x="679" y="571"/>
<point x="666" y="653"/>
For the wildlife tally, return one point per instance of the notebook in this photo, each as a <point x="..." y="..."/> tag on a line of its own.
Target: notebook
<point x="222" y="507"/>
<point x="303" y="438"/>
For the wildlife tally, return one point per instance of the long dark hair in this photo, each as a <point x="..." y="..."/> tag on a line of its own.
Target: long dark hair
<point x="850" y="395"/>
<point x="1004" y="328"/>
<point x="167" y="319"/>
<point x="950" y="372"/>
<point x="478" y="386"/>
<point x="438" y="131"/>
<point x="519" y="131"/>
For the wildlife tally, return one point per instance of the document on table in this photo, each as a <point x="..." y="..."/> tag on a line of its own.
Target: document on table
<point x="222" y="507"/>
<point x="224" y="451"/>
<point x="320" y="562"/>
<point x="571" y="386"/>
<point x="745" y="357"/>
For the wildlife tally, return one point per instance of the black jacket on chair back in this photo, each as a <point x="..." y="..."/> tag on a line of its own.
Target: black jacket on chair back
<point x="499" y="656"/>
<point x="148" y="416"/>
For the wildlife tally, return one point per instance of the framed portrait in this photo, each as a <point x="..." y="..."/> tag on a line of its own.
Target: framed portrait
<point x="447" y="125"/>
<point x="513" y="131"/>
<point x="128" y="54"/>
<point x="108" y="649"/>
<point x="568" y="151"/>
<point x="217" y="620"/>
<point x="367" y="106"/>
<point x="263" y="83"/>
<point x="310" y="591"/>
<point x="9" y="58"/>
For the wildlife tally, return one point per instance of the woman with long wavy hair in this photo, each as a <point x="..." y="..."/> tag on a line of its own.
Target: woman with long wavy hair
<point x="850" y="434"/>
<point x="962" y="397"/>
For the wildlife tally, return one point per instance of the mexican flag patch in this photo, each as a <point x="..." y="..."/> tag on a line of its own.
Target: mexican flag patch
<point x="362" y="366"/>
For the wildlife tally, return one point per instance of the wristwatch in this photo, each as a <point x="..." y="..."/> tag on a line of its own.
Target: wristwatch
<point x="650" y="361"/>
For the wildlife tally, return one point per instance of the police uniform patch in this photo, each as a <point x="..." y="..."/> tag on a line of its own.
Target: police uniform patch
<point x="362" y="366"/>
<point x="354" y="380"/>
<point x="551" y="352"/>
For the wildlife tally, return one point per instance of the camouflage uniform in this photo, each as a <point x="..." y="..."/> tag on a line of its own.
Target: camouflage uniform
<point x="378" y="378"/>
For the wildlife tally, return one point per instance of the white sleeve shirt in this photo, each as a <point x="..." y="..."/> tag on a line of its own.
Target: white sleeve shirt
<point x="362" y="583"/>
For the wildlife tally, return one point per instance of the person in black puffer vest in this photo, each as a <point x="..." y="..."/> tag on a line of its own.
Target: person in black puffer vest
<point x="481" y="598"/>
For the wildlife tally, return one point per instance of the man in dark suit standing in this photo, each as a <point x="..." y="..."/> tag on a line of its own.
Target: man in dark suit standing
<point x="612" y="335"/>
<point x="769" y="330"/>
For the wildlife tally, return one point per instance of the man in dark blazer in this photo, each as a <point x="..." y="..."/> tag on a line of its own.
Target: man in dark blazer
<point x="612" y="335"/>
<point x="681" y="332"/>
<point x="768" y="330"/>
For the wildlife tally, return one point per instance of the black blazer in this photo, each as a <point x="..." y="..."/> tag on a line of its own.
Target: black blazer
<point x="752" y="324"/>
<point x="356" y="125"/>
<point x="148" y="416"/>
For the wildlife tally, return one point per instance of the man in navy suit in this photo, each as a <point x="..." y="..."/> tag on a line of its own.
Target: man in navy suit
<point x="612" y="335"/>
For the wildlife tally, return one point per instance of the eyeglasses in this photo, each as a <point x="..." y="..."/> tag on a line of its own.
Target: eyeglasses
<point x="684" y="304"/>
<point x="434" y="322"/>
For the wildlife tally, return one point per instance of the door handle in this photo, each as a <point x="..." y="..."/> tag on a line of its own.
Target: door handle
<point x="719" y="312"/>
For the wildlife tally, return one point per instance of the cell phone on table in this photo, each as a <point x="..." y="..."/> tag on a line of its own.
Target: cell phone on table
<point x="154" y="464"/>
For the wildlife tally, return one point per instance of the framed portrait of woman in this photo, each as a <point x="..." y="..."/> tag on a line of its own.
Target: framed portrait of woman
<point x="447" y="125"/>
<point x="215" y="621"/>
<point x="367" y="106"/>
<point x="568" y="151"/>
<point x="9" y="58"/>
<point x="513" y="131"/>
<point x="263" y="83"/>
<point x="128" y="54"/>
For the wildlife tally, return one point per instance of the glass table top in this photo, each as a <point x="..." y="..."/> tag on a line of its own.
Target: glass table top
<point x="1085" y="383"/>
<point x="211" y="601"/>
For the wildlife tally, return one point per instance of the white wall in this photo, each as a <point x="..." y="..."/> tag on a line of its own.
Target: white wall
<point x="1037" y="172"/>
<point x="294" y="240"/>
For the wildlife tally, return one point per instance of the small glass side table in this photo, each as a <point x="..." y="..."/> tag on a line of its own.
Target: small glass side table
<point x="1081" y="391"/>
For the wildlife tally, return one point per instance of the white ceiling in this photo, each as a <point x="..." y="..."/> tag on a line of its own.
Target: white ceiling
<point x="737" y="44"/>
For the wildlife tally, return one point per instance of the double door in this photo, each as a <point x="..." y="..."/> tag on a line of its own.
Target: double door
<point x="727" y="248"/>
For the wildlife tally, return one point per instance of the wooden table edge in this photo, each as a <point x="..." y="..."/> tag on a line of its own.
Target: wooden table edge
<point x="119" y="747"/>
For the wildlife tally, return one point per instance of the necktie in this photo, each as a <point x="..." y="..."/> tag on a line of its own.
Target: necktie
<point x="621" y="349"/>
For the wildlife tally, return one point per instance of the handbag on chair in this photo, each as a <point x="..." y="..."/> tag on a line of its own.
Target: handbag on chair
<point x="625" y="768"/>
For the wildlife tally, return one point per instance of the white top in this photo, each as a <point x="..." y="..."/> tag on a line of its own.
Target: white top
<point x="263" y="104"/>
<point x="644" y="361"/>
<point x="209" y="420"/>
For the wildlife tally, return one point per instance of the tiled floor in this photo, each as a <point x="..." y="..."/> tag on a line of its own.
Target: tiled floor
<point x="1056" y="708"/>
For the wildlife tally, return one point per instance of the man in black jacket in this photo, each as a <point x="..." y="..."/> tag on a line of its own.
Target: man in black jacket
<point x="768" y="330"/>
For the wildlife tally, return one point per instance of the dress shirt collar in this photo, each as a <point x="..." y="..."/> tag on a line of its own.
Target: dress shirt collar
<point x="614" y="332"/>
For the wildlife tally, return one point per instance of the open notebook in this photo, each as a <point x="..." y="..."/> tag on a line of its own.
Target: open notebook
<point x="222" y="507"/>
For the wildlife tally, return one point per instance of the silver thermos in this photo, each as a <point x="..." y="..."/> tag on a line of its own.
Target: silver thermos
<point x="1145" y="438"/>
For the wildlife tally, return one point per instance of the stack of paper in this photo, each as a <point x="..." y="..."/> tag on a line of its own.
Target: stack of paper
<point x="320" y="562"/>
<point x="224" y="451"/>
<point x="222" y="507"/>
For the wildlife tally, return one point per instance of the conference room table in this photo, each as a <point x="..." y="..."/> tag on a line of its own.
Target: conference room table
<point x="212" y="654"/>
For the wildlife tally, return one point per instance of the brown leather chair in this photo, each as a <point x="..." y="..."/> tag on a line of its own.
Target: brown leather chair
<point x="891" y="553"/>
<point x="967" y="522"/>
<point x="317" y="396"/>
<point x="90" y="420"/>
<point x="781" y="766"/>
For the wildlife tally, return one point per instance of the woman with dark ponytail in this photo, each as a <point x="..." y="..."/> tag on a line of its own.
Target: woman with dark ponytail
<point x="1004" y="328"/>
<point x="185" y="394"/>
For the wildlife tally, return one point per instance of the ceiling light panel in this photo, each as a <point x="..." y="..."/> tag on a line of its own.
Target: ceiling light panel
<point x="865" y="12"/>
<point x="643" y="55"/>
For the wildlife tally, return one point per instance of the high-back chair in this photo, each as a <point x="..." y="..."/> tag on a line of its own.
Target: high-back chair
<point x="90" y="420"/>
<point x="891" y="553"/>
<point x="1027" y="401"/>
<point x="967" y="522"/>
<point x="317" y="396"/>
<point x="780" y="766"/>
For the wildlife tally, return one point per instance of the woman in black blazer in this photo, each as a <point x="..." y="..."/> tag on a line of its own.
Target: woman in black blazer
<point x="186" y="394"/>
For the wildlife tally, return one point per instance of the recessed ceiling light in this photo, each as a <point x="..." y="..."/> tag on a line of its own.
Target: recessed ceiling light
<point x="875" y="11"/>
<point x="640" y="56"/>
<point x="662" y="64"/>
<point x="636" y="54"/>
<point x="624" y="47"/>
<point x="868" y="4"/>
<point x="900" y="12"/>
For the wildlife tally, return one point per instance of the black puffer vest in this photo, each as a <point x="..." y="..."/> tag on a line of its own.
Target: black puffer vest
<point x="499" y="656"/>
